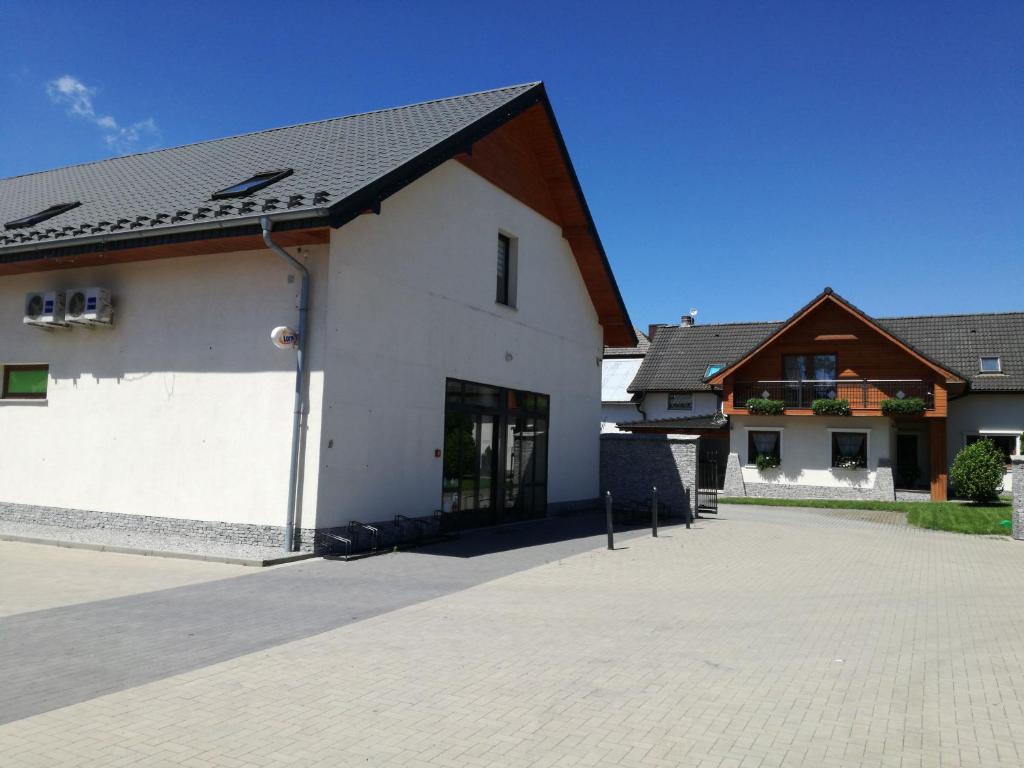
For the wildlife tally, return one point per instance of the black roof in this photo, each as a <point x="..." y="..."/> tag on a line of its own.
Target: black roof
<point x="704" y="423"/>
<point x="332" y="161"/>
<point x="679" y="355"/>
<point x="642" y="345"/>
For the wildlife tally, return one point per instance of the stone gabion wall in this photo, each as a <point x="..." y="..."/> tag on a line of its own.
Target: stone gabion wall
<point x="1018" y="497"/>
<point x="632" y="464"/>
<point x="200" y="530"/>
<point x="734" y="485"/>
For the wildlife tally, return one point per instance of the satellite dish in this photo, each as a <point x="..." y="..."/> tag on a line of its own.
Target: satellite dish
<point x="284" y="337"/>
<point x="693" y="313"/>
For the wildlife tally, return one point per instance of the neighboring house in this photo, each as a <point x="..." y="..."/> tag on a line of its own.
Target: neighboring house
<point x="459" y="302"/>
<point x="967" y="369"/>
<point x="618" y="367"/>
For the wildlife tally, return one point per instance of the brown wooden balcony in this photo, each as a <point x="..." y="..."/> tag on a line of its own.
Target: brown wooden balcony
<point x="862" y="394"/>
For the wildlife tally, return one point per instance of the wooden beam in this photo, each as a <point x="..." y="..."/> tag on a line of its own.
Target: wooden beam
<point x="286" y="238"/>
<point x="937" y="459"/>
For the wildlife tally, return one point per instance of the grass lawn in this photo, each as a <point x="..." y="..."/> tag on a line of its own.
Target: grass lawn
<point x="940" y="515"/>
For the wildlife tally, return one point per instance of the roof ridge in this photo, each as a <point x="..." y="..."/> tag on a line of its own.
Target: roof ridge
<point x="532" y="84"/>
<point x="955" y="314"/>
<point x="717" y="325"/>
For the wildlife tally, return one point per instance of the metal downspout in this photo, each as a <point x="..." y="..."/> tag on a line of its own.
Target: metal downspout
<point x="300" y="376"/>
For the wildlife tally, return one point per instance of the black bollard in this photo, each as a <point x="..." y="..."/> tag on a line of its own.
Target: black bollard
<point x="608" y="515"/>
<point x="654" y="511"/>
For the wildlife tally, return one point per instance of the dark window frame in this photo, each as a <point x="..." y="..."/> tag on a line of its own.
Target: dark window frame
<point x="834" y="445"/>
<point x="5" y="393"/>
<point x="266" y="178"/>
<point x="503" y="293"/>
<point x="752" y="452"/>
<point x="41" y="216"/>
<point x="676" y="407"/>
<point x="809" y="358"/>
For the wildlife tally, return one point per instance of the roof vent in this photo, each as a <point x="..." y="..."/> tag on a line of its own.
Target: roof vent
<point x="35" y="218"/>
<point x="252" y="184"/>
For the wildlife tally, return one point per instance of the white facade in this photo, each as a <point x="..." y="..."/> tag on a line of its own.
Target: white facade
<point x="806" y="449"/>
<point x="617" y="407"/>
<point x="985" y="414"/>
<point x="655" y="405"/>
<point x="183" y="409"/>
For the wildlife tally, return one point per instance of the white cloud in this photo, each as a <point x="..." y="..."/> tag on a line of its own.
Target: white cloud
<point x="78" y="98"/>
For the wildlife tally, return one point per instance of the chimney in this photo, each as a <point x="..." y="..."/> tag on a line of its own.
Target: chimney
<point x="651" y="330"/>
<point x="688" y="320"/>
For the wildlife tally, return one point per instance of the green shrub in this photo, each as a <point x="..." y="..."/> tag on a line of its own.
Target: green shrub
<point x="977" y="472"/>
<point x="766" y="461"/>
<point x="826" y="406"/>
<point x="763" y="407"/>
<point x="908" y="406"/>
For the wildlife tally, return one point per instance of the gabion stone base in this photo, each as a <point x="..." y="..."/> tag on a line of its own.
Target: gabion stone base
<point x="1018" y="497"/>
<point x="734" y="485"/>
<point x="200" y="530"/>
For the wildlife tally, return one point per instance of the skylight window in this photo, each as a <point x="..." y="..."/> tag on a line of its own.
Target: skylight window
<point x="991" y="365"/>
<point x="712" y="370"/>
<point x="35" y="218"/>
<point x="252" y="184"/>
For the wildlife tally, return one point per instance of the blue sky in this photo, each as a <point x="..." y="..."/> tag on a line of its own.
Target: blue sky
<point x="737" y="156"/>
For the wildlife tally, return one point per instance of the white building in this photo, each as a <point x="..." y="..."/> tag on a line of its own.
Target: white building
<point x="459" y="302"/>
<point x="618" y="368"/>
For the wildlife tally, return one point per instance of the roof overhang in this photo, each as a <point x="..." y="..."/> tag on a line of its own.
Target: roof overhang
<point x="828" y="295"/>
<point x="474" y="146"/>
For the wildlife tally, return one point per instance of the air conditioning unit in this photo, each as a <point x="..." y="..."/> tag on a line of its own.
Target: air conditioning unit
<point x="45" y="309"/>
<point x="90" y="306"/>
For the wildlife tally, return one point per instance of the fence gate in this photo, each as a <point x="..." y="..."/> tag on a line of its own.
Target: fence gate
<point x="707" y="487"/>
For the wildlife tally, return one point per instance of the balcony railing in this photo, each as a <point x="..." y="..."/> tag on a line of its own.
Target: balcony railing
<point x="863" y="394"/>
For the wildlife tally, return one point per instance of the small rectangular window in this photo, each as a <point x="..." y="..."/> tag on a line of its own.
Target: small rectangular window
<point x="506" y="293"/>
<point x="991" y="365"/>
<point x="680" y="401"/>
<point x="25" y="382"/>
<point x="850" y="450"/>
<point x="761" y="442"/>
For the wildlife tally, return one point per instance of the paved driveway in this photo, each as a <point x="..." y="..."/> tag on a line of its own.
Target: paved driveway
<point x="769" y="637"/>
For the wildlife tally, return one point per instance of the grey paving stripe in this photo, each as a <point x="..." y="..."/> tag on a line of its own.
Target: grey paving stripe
<point x="57" y="657"/>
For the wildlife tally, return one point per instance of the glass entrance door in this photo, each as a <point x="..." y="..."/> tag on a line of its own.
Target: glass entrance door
<point x="495" y="455"/>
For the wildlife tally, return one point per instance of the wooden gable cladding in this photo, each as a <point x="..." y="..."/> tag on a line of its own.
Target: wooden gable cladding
<point x="525" y="158"/>
<point x="286" y="238"/>
<point x="863" y="351"/>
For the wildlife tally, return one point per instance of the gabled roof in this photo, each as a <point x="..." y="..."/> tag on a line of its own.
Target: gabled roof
<point x="642" y="345"/>
<point x="159" y="191"/>
<point x="132" y="207"/>
<point x="825" y="297"/>
<point x="679" y="355"/>
<point x="960" y="341"/>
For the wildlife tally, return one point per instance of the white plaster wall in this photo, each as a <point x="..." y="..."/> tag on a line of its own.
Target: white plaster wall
<point x="618" y="413"/>
<point x="656" y="406"/>
<point x="806" y="449"/>
<point x="981" y="413"/>
<point x="183" y="409"/>
<point x="412" y="294"/>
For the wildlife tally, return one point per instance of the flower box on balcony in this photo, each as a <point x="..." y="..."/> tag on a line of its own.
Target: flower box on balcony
<point x="908" y="406"/>
<point x="826" y="406"/>
<point x="761" y="406"/>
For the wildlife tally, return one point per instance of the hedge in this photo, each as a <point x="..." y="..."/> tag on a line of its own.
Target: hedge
<point x="977" y="471"/>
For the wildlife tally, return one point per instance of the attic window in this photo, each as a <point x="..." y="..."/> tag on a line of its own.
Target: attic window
<point x="712" y="370"/>
<point x="991" y="365"/>
<point x="252" y="184"/>
<point x="35" y="218"/>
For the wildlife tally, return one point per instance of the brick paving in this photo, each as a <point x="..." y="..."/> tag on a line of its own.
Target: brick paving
<point x="769" y="637"/>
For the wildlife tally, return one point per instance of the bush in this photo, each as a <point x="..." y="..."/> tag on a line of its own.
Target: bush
<point x="977" y="472"/>
<point x="826" y="406"/>
<point x="766" y="461"/>
<point x="764" y="407"/>
<point x="908" y="406"/>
